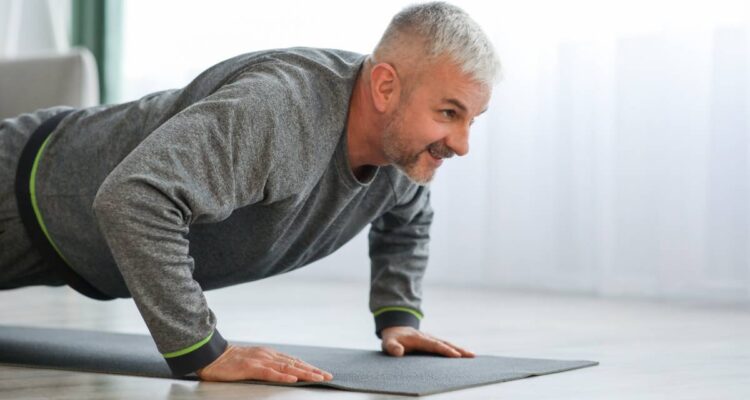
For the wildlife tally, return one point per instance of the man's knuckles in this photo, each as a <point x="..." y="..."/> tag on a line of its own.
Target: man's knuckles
<point x="260" y="352"/>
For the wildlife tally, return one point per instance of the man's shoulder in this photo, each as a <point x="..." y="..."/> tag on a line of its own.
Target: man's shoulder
<point x="276" y="72"/>
<point x="301" y="84"/>
<point x="335" y="59"/>
<point x="299" y="98"/>
<point x="305" y="62"/>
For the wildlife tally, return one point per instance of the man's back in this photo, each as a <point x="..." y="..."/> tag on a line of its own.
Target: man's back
<point x="292" y="99"/>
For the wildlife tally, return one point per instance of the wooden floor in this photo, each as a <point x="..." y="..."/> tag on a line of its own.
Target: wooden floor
<point x="647" y="350"/>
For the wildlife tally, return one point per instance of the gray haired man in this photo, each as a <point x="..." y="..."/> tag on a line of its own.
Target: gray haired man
<point x="264" y="163"/>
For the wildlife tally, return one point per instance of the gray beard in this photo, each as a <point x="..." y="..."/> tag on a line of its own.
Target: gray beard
<point x="397" y="153"/>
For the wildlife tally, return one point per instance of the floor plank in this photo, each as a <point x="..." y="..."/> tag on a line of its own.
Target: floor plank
<point x="646" y="349"/>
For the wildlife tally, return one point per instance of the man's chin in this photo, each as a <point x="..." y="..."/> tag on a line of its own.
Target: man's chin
<point x="415" y="169"/>
<point x="421" y="178"/>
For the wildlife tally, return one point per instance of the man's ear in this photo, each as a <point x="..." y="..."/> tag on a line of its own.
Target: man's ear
<point x="385" y="86"/>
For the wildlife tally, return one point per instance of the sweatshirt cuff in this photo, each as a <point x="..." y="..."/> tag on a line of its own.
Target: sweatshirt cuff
<point x="197" y="356"/>
<point x="395" y="316"/>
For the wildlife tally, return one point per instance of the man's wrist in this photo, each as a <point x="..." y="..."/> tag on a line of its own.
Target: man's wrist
<point x="198" y="356"/>
<point x="387" y="317"/>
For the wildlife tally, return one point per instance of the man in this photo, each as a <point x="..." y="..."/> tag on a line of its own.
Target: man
<point x="264" y="163"/>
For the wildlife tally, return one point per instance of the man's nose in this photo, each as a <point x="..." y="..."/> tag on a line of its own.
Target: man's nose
<point x="458" y="141"/>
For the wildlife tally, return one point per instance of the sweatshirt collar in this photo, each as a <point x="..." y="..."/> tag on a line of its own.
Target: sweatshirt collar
<point x="345" y="168"/>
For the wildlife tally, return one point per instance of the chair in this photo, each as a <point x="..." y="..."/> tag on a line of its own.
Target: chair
<point x="27" y="84"/>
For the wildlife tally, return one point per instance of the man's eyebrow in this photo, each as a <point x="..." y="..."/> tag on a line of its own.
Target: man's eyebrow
<point x="460" y="105"/>
<point x="455" y="103"/>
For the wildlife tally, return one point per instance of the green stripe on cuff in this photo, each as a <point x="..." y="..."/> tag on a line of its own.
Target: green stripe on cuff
<point x="396" y="308"/>
<point x="32" y="189"/>
<point x="188" y="349"/>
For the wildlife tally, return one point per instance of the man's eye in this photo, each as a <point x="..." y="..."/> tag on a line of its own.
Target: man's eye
<point x="450" y="114"/>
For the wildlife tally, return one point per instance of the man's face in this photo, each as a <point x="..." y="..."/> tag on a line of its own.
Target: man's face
<point x="432" y="121"/>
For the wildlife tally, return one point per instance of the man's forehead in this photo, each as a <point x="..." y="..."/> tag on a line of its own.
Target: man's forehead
<point x="448" y="83"/>
<point x="453" y="77"/>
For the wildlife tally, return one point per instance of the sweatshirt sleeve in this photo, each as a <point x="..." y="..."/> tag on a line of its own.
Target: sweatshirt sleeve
<point x="398" y="252"/>
<point x="197" y="167"/>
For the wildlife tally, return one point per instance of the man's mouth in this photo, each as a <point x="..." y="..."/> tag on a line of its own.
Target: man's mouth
<point x="435" y="157"/>
<point x="439" y="153"/>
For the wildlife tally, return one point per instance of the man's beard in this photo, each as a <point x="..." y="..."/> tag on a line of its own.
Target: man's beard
<point x="397" y="152"/>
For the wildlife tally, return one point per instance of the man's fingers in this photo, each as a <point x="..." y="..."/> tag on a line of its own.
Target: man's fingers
<point x="300" y="373"/>
<point x="272" y="375"/>
<point x="445" y="350"/>
<point x="464" y="352"/>
<point x="260" y="363"/>
<point x="435" y="346"/>
<point x="393" y="347"/>
<point x="422" y="342"/>
<point x="398" y="345"/>
<point x="303" y="365"/>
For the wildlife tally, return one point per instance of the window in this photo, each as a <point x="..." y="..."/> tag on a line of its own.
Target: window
<point x="167" y="43"/>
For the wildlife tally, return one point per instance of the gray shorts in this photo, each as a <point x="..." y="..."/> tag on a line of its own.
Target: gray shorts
<point x="20" y="264"/>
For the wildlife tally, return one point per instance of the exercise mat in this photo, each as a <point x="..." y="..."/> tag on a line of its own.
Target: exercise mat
<point x="356" y="370"/>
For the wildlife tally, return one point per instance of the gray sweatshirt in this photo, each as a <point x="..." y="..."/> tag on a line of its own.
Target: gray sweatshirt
<point x="240" y="175"/>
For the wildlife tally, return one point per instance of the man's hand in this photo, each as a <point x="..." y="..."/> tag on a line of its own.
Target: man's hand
<point x="260" y="363"/>
<point x="399" y="340"/>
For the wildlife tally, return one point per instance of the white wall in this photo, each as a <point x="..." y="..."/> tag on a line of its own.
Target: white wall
<point x="626" y="171"/>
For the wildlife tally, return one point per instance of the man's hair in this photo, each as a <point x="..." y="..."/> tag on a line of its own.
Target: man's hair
<point x="441" y="29"/>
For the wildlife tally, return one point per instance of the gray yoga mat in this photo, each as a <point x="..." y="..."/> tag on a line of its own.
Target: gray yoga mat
<point x="356" y="370"/>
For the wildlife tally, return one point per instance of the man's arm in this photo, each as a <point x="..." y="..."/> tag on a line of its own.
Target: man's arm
<point x="197" y="167"/>
<point x="184" y="172"/>
<point x="399" y="242"/>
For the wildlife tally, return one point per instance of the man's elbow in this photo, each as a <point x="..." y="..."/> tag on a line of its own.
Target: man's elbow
<point x="105" y="201"/>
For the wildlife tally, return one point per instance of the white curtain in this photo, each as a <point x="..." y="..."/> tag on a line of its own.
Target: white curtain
<point x="617" y="152"/>
<point x="613" y="159"/>
<point x="32" y="27"/>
